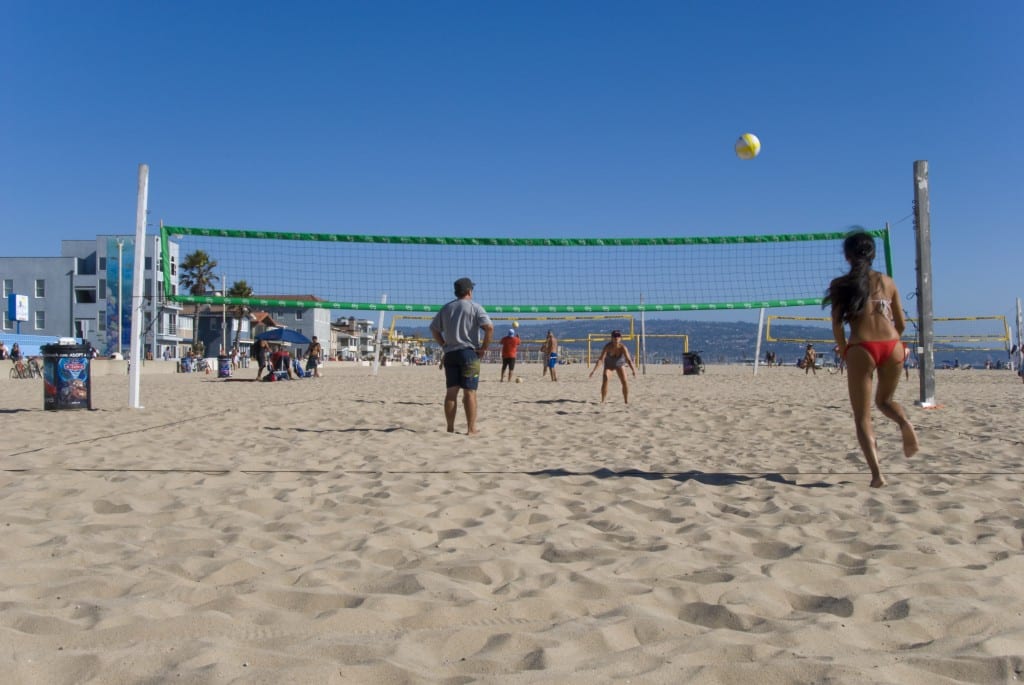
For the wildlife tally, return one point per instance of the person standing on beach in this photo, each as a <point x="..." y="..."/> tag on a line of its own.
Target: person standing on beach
<point x="869" y="303"/>
<point x="615" y="356"/>
<point x="837" y="359"/>
<point x="262" y="356"/>
<point x="457" y="329"/>
<point x="509" y="348"/>
<point x="549" y="356"/>
<point x="810" y="356"/>
<point x="313" y="357"/>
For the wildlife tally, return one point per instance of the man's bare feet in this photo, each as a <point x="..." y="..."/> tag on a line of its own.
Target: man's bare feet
<point x="910" y="445"/>
<point x="877" y="482"/>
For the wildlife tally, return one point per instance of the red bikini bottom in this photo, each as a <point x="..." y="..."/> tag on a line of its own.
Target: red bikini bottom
<point x="880" y="350"/>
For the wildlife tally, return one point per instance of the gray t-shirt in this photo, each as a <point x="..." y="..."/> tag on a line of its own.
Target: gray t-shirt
<point x="459" y="323"/>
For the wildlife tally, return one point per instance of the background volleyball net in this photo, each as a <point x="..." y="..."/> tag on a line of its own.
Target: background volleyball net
<point x="532" y="331"/>
<point x="513" y="275"/>
<point x="952" y="333"/>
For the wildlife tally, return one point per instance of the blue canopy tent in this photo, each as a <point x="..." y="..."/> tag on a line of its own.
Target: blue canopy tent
<point x="284" y="335"/>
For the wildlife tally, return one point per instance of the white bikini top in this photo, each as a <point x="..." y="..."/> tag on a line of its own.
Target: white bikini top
<point x="883" y="307"/>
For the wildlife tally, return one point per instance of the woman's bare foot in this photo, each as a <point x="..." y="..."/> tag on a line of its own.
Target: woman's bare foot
<point x="910" y="446"/>
<point x="877" y="482"/>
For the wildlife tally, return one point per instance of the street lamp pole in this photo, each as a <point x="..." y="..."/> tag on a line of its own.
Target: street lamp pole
<point x="120" y="301"/>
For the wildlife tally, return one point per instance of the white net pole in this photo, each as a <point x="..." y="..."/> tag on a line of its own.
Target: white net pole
<point x="380" y="331"/>
<point x="757" y="347"/>
<point x="135" y="348"/>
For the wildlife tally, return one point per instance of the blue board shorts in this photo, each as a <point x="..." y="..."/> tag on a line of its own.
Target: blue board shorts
<point x="552" y="360"/>
<point x="462" y="369"/>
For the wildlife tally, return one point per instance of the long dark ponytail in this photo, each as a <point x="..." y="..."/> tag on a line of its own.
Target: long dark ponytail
<point x="848" y="295"/>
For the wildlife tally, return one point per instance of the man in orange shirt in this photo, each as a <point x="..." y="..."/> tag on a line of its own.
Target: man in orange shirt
<point x="509" y="348"/>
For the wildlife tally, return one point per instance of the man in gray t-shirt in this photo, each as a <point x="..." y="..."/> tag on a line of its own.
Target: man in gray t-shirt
<point x="456" y="328"/>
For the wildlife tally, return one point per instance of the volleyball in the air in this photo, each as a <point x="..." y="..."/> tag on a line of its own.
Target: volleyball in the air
<point x="748" y="146"/>
<point x="515" y="324"/>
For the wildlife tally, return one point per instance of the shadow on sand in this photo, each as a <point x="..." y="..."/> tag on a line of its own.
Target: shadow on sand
<point x="713" y="478"/>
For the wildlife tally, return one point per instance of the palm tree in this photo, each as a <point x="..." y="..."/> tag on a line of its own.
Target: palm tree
<point x="197" y="277"/>
<point x="239" y="289"/>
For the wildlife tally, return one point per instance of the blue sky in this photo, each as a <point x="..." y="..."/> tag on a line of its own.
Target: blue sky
<point x="530" y="119"/>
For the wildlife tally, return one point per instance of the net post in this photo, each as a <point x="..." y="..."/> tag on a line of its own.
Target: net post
<point x="757" y="348"/>
<point x="642" y="345"/>
<point x="1020" y="344"/>
<point x="887" y="242"/>
<point x="135" y="347"/>
<point x="925" y="315"/>
<point x="380" y="329"/>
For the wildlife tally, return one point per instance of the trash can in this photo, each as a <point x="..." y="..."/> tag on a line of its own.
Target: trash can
<point x="67" y="381"/>
<point x="223" y="366"/>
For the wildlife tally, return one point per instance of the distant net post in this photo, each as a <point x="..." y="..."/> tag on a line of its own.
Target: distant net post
<point x="923" y="240"/>
<point x="1019" y="359"/>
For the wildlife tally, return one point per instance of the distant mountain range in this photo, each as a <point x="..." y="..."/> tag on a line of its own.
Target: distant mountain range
<point x="719" y="342"/>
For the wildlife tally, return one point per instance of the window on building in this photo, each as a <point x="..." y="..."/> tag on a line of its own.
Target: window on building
<point x="87" y="265"/>
<point x="40" y="320"/>
<point x="298" y="314"/>
<point x="7" y="323"/>
<point x="8" y="288"/>
<point x="172" y="324"/>
<point x="40" y="287"/>
<point x="85" y="295"/>
<point x="149" y="263"/>
<point x="103" y="263"/>
<point x="102" y="322"/>
<point x="147" y="288"/>
<point x="103" y="288"/>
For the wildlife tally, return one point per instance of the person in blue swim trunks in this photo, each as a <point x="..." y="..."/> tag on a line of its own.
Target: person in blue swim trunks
<point x="549" y="356"/>
<point x="464" y="331"/>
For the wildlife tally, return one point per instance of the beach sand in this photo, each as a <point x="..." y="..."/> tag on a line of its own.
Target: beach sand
<point x="718" y="529"/>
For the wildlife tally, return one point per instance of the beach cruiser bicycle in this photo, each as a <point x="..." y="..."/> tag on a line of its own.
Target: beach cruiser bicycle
<point x="29" y="369"/>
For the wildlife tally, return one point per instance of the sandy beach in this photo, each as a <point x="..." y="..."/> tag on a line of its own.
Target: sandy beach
<point x="718" y="529"/>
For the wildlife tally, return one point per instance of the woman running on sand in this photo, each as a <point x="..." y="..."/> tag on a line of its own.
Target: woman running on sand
<point x="870" y="303"/>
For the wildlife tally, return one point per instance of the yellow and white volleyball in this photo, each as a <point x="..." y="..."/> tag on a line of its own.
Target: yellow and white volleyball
<point x="747" y="146"/>
<point x="518" y="379"/>
<point x="515" y="324"/>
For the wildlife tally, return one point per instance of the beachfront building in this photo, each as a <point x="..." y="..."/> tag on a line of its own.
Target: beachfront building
<point x="309" y="321"/>
<point x="354" y="339"/>
<point x="216" y="329"/>
<point x="402" y="349"/>
<point x="86" y="293"/>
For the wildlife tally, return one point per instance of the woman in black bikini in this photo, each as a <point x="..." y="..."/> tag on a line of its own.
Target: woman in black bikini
<point x="870" y="303"/>
<point x="615" y="356"/>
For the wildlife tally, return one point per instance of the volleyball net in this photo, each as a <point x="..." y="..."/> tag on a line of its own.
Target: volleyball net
<point x="512" y="275"/>
<point x="952" y="333"/>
